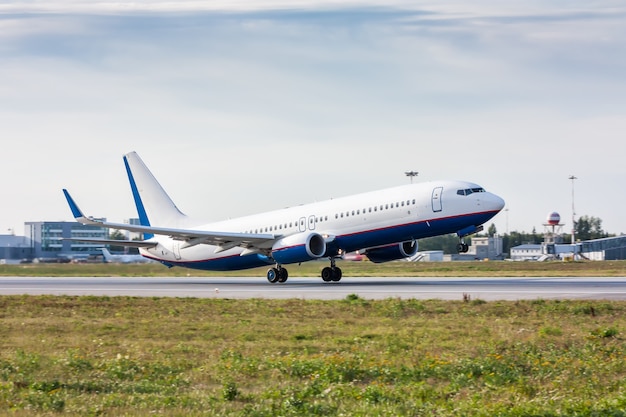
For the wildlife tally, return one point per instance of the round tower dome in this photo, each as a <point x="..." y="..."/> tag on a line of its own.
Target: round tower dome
<point x="554" y="218"/>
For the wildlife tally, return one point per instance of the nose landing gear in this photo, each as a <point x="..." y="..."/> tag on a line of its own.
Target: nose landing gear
<point x="462" y="247"/>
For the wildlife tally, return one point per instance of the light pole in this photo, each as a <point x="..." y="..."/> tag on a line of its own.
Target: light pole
<point x="411" y="174"/>
<point x="572" y="177"/>
<point x="506" y="210"/>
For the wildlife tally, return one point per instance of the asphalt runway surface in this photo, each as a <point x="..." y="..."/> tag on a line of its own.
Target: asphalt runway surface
<point x="488" y="289"/>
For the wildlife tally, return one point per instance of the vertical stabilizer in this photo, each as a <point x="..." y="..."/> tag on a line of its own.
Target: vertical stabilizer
<point x="154" y="206"/>
<point x="106" y="254"/>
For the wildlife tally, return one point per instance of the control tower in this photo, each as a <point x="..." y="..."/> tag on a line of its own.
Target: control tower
<point x="553" y="233"/>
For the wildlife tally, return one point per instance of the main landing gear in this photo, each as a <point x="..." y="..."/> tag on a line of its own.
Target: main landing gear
<point x="279" y="274"/>
<point x="332" y="272"/>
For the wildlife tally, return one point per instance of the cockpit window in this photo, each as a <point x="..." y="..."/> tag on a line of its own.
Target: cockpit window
<point x="469" y="191"/>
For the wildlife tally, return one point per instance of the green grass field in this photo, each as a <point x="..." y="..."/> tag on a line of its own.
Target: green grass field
<point x="117" y="356"/>
<point x="353" y="269"/>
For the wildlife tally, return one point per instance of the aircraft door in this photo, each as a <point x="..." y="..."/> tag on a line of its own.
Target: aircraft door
<point x="311" y="222"/>
<point x="302" y="224"/>
<point x="436" y="199"/>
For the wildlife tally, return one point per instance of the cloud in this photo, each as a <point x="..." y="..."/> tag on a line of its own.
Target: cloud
<point x="292" y="102"/>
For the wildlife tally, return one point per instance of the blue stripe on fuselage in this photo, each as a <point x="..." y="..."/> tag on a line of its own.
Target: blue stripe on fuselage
<point x="408" y="231"/>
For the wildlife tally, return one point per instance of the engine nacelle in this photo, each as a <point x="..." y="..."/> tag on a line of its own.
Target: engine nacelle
<point x="392" y="252"/>
<point x="300" y="247"/>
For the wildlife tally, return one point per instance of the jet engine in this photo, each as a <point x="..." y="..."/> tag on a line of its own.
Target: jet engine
<point x="300" y="247"/>
<point x="392" y="252"/>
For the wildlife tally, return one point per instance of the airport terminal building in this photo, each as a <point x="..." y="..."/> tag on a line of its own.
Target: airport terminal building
<point x="48" y="240"/>
<point x="606" y="249"/>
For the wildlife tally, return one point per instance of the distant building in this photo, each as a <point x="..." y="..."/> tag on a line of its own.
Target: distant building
<point x="428" y="256"/>
<point x="133" y="235"/>
<point x="526" y="252"/>
<point x="14" y="248"/>
<point x="47" y="239"/>
<point x="482" y="248"/>
<point x="607" y="249"/>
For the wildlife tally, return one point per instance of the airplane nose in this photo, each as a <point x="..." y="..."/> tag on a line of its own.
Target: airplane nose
<point x="497" y="202"/>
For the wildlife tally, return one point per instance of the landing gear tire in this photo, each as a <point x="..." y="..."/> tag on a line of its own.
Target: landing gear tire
<point x="278" y="274"/>
<point x="273" y="275"/>
<point x="337" y="274"/>
<point x="331" y="274"/>
<point x="327" y="274"/>
<point x="462" y="248"/>
<point x="282" y="275"/>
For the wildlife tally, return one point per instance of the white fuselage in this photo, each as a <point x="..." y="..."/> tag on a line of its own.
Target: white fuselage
<point x="351" y="223"/>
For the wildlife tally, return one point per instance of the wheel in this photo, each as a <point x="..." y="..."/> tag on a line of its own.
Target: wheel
<point x="337" y="274"/>
<point x="273" y="275"/>
<point x="327" y="274"/>
<point x="462" y="248"/>
<point x="282" y="275"/>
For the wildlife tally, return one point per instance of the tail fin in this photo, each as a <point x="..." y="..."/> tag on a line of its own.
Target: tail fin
<point x="154" y="206"/>
<point x="106" y="254"/>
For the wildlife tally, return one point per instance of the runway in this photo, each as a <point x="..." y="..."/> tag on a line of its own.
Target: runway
<point x="488" y="289"/>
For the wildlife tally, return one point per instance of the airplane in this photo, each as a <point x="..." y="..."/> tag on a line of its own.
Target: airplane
<point x="383" y="225"/>
<point x="124" y="258"/>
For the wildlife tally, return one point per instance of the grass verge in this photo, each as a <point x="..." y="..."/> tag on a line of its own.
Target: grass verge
<point x="112" y="356"/>
<point x="353" y="269"/>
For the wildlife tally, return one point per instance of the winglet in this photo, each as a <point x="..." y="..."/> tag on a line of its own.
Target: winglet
<point x="76" y="212"/>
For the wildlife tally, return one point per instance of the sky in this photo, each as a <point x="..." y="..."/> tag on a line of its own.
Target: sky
<point x="245" y="106"/>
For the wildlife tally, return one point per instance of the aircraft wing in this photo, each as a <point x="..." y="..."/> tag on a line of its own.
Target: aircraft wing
<point x="115" y="242"/>
<point x="224" y="240"/>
